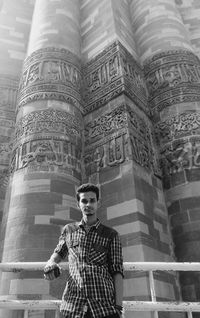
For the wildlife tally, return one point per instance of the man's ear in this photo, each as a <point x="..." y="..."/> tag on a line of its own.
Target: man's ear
<point x="99" y="203"/>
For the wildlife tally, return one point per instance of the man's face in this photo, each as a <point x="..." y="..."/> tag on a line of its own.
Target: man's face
<point x="88" y="203"/>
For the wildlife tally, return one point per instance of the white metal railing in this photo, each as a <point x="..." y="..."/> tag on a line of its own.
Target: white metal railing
<point x="149" y="267"/>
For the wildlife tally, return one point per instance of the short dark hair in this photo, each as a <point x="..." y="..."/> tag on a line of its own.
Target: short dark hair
<point x="87" y="187"/>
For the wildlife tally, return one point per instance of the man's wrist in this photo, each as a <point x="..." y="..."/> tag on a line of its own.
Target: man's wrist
<point x="119" y="308"/>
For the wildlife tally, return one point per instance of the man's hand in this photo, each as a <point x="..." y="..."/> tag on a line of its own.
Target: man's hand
<point x="119" y="310"/>
<point x="51" y="270"/>
<point x="120" y="314"/>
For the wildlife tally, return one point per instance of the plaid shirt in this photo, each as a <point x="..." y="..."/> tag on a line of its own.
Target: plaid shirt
<point x="94" y="257"/>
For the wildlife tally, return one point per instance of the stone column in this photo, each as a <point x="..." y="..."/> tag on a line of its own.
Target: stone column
<point x="172" y="75"/>
<point x="15" y="21"/>
<point x="14" y="30"/>
<point x="120" y="153"/>
<point x="47" y="150"/>
<point x="190" y="13"/>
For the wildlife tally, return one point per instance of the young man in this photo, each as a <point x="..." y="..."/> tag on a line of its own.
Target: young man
<point x="94" y="288"/>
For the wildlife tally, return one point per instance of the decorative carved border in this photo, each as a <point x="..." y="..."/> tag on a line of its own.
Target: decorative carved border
<point x="175" y="127"/>
<point x="172" y="77"/>
<point x="181" y="154"/>
<point x="48" y="121"/>
<point x="48" y="140"/>
<point x="48" y="154"/>
<point x="5" y="152"/>
<point x="50" y="53"/>
<point x="4" y="179"/>
<point x="119" y="136"/>
<point x="8" y="92"/>
<point x="111" y="73"/>
<point x="51" y="73"/>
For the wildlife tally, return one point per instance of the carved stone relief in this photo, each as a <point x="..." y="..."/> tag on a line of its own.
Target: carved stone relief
<point x="143" y="147"/>
<point x="174" y="127"/>
<point x="105" y="125"/>
<point x="172" y="77"/>
<point x="112" y="72"/>
<point x="180" y="155"/>
<point x="118" y="136"/>
<point x="109" y="154"/>
<point x="178" y="139"/>
<point x="48" y="154"/>
<point x="8" y="92"/>
<point x="48" y="121"/>
<point x="8" y="97"/>
<point x="51" y="73"/>
<point x="4" y="178"/>
<point x="7" y="123"/>
<point x="5" y="152"/>
<point x="48" y="140"/>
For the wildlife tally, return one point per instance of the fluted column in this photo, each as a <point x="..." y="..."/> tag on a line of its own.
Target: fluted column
<point x="47" y="150"/>
<point x="14" y="30"/>
<point x="172" y="75"/>
<point x="120" y="153"/>
<point x="102" y="23"/>
<point x="158" y="27"/>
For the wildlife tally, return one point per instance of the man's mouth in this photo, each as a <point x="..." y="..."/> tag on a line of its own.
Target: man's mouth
<point x="88" y="210"/>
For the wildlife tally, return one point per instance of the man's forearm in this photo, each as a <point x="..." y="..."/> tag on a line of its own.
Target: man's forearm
<point x="56" y="258"/>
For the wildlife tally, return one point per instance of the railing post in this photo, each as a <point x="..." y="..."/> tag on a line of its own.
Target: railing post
<point x="57" y="314"/>
<point x="26" y="313"/>
<point x="153" y="291"/>
<point x="189" y="314"/>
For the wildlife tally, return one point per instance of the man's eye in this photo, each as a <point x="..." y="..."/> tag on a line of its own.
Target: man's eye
<point x="84" y="201"/>
<point x="92" y="200"/>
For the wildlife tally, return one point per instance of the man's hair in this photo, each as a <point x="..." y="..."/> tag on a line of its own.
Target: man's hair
<point x="87" y="187"/>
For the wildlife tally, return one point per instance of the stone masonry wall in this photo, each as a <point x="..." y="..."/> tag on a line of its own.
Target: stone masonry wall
<point x="108" y="92"/>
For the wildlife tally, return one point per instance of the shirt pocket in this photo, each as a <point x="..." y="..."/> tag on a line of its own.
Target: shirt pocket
<point x="98" y="254"/>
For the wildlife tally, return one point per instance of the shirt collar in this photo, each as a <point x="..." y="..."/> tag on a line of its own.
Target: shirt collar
<point x="96" y="225"/>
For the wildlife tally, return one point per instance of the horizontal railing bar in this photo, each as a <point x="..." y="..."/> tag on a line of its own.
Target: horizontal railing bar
<point x="28" y="266"/>
<point x="161" y="306"/>
<point x="128" y="305"/>
<point x="128" y="266"/>
<point x="29" y="304"/>
<point x="161" y="266"/>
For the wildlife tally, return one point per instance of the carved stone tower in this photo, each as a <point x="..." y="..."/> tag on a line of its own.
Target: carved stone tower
<point x="105" y="91"/>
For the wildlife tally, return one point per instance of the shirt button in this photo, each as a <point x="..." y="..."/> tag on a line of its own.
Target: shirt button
<point x="85" y="308"/>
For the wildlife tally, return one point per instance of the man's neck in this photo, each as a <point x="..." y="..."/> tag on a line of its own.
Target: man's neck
<point x="89" y="221"/>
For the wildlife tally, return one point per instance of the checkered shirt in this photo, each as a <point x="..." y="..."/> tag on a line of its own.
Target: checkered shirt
<point x="94" y="257"/>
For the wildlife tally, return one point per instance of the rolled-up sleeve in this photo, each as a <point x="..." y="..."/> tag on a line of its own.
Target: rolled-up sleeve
<point x="62" y="249"/>
<point x="115" y="256"/>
